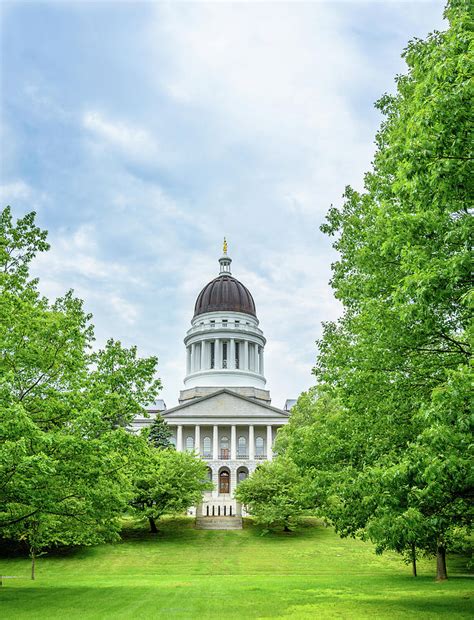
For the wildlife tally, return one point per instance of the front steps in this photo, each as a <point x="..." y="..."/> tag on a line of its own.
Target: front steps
<point x="219" y="523"/>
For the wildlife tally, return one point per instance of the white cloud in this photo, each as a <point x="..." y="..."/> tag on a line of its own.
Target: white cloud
<point x="130" y="140"/>
<point x="16" y="190"/>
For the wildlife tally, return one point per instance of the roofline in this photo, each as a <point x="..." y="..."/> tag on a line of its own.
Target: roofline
<point x="224" y="391"/>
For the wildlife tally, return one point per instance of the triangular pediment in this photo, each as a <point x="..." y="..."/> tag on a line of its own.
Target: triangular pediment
<point x="225" y="404"/>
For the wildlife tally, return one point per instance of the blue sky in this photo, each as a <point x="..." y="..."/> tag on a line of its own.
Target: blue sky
<point x="144" y="132"/>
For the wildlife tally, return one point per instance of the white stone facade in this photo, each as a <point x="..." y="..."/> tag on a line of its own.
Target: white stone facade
<point x="233" y="434"/>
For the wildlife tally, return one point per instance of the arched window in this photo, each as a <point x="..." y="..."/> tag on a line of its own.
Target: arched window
<point x="206" y="444"/>
<point x="224" y="482"/>
<point x="242" y="473"/>
<point x="242" y="446"/>
<point x="189" y="444"/>
<point x="225" y="448"/>
<point x="259" y="446"/>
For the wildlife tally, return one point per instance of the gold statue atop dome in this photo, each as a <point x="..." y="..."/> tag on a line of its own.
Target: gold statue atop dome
<point x="224" y="247"/>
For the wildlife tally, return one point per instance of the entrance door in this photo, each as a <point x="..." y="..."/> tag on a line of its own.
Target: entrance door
<point x="224" y="482"/>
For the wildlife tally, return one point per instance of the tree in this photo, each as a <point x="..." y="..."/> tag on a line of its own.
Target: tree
<point x="167" y="482"/>
<point x="396" y="464"/>
<point x="273" y="494"/>
<point x="159" y="433"/>
<point x="63" y="460"/>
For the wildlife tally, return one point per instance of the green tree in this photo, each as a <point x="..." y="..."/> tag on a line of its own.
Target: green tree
<point x="167" y="482"/>
<point x="63" y="465"/>
<point x="395" y="469"/>
<point x="273" y="494"/>
<point x="159" y="433"/>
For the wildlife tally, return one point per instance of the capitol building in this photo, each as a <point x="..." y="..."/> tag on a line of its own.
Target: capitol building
<point x="224" y="413"/>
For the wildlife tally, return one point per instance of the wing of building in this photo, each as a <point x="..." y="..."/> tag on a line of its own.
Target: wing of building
<point x="225" y="413"/>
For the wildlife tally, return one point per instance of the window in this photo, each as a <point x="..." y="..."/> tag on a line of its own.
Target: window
<point x="259" y="446"/>
<point x="189" y="444"/>
<point x="237" y="354"/>
<point x="206" y="444"/>
<point x="213" y="349"/>
<point x="225" y="448"/>
<point x="209" y="474"/>
<point x="212" y="323"/>
<point x="224" y="355"/>
<point x="224" y="322"/>
<point x="242" y="446"/>
<point x="237" y="323"/>
<point x="224" y="482"/>
<point x="241" y="475"/>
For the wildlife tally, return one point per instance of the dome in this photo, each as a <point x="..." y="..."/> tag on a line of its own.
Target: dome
<point x="225" y="293"/>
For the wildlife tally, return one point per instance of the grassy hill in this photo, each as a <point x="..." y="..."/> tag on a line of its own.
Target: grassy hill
<point x="186" y="573"/>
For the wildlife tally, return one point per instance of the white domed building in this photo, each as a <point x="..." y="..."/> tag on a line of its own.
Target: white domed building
<point x="225" y="414"/>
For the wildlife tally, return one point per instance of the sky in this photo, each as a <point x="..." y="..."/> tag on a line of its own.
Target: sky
<point x="142" y="133"/>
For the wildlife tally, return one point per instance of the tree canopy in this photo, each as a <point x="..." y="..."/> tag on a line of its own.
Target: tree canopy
<point x="64" y="451"/>
<point x="390" y="457"/>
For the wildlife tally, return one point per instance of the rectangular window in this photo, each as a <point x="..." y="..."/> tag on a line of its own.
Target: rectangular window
<point x="224" y="322"/>
<point x="224" y="355"/>
<point x="237" y="323"/>
<point x="237" y="354"/>
<point x="212" y="323"/>
<point x="213" y="348"/>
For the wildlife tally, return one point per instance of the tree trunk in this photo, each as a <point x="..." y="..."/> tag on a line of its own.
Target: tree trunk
<point x="153" y="528"/>
<point x="33" y="563"/>
<point x="441" y="572"/>
<point x="413" y="559"/>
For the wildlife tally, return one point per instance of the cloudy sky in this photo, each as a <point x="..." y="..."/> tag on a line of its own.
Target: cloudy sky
<point x="144" y="132"/>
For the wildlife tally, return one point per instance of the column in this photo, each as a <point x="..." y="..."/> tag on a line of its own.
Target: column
<point x="203" y="355"/>
<point x="188" y="360"/>
<point x="269" y="443"/>
<point x="231" y="354"/>
<point x="215" y="442"/>
<point x="197" y="439"/>
<point x="262" y="369"/>
<point x="251" y="443"/>
<point x="179" y="438"/>
<point x="233" y="443"/>
<point x="245" y="365"/>
<point x="193" y="357"/>
<point x="217" y="354"/>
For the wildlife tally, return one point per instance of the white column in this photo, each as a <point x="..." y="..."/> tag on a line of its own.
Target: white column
<point x="179" y="438"/>
<point x="231" y="354"/>
<point x="203" y="355"/>
<point x="218" y="354"/>
<point x="197" y="439"/>
<point x="262" y="369"/>
<point x="188" y="360"/>
<point x="215" y="442"/>
<point x="251" y="443"/>
<point x="233" y="443"/>
<point x="193" y="357"/>
<point x="269" y="443"/>
<point x="245" y="365"/>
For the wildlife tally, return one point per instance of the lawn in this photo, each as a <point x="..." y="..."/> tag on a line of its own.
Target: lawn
<point x="186" y="573"/>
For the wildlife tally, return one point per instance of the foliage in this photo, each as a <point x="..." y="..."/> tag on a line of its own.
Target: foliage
<point x="167" y="482"/>
<point x="273" y="493"/>
<point x="392" y="463"/>
<point x="63" y="467"/>
<point x="159" y="433"/>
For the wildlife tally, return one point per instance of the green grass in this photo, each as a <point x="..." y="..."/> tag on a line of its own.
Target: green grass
<point x="186" y="573"/>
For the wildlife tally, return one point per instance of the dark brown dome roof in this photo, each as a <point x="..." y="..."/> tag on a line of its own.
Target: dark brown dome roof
<point x="225" y="293"/>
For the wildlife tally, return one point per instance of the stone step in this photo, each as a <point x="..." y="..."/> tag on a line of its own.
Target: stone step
<point x="219" y="523"/>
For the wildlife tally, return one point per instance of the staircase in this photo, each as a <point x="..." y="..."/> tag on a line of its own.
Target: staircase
<point x="219" y="523"/>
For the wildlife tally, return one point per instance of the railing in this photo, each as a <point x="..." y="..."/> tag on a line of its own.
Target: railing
<point x="242" y="457"/>
<point x="242" y="327"/>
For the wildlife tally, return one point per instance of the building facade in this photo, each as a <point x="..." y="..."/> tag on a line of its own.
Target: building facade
<point x="225" y="413"/>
